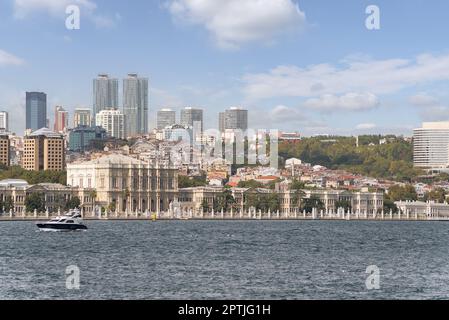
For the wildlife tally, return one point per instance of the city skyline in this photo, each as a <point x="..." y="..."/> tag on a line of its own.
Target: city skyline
<point x="294" y="73"/>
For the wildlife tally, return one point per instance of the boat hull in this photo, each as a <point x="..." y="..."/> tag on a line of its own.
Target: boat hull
<point x="60" y="227"/>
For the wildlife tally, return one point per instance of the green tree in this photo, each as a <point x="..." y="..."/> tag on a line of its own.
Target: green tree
<point x="313" y="202"/>
<point x="402" y="193"/>
<point x="205" y="205"/>
<point x="345" y="204"/>
<point x="35" y="201"/>
<point x="438" y="195"/>
<point x="73" y="203"/>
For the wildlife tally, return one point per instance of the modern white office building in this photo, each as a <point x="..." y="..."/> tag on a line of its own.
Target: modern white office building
<point x="113" y="121"/>
<point x="135" y="104"/>
<point x="431" y="146"/>
<point x="4" y="121"/>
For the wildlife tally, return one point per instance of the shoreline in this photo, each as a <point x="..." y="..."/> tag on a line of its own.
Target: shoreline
<point x="395" y="219"/>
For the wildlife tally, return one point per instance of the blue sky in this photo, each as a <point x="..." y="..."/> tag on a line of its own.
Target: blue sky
<point x="309" y="66"/>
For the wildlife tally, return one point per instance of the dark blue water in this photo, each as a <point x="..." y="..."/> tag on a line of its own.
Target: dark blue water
<point x="229" y="260"/>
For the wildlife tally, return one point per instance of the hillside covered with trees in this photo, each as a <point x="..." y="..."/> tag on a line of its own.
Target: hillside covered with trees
<point x="392" y="160"/>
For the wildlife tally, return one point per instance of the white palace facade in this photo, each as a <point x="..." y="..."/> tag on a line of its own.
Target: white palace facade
<point x="128" y="183"/>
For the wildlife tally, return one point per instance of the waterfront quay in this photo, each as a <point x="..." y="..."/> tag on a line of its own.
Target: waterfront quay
<point x="340" y="215"/>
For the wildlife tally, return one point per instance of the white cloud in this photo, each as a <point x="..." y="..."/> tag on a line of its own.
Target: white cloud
<point x="423" y="100"/>
<point x="347" y="102"/>
<point x="8" y="59"/>
<point x="366" y="126"/>
<point x="234" y="23"/>
<point x="430" y="108"/>
<point x="56" y="8"/>
<point x="375" y="76"/>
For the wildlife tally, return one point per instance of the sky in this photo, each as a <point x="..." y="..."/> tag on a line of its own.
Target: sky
<point x="310" y="66"/>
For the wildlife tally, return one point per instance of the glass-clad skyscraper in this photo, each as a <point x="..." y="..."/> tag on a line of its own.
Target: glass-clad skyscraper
<point x="36" y="110"/>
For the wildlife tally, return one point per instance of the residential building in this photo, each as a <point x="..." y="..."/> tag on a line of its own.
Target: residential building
<point x="61" y="119"/>
<point x="82" y="117"/>
<point x="165" y="118"/>
<point x="44" y="150"/>
<point x="4" y="150"/>
<point x="4" y="121"/>
<point x="105" y="93"/>
<point x="36" y="110"/>
<point x="135" y="104"/>
<point x="81" y="137"/>
<point x="113" y="121"/>
<point x="131" y="184"/>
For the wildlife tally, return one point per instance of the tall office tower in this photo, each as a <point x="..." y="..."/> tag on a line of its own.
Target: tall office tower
<point x="222" y="121"/>
<point x="36" y="110"/>
<point x="82" y="117"/>
<point x="135" y="104"/>
<point x="4" y="150"/>
<point x="44" y="150"/>
<point x="165" y="118"/>
<point x="4" y="121"/>
<point x="61" y="119"/>
<point x="236" y="118"/>
<point x="105" y="93"/>
<point x="190" y="116"/>
<point x="113" y="121"/>
<point x="431" y="145"/>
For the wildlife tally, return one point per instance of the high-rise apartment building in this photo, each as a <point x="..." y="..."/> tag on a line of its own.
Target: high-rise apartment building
<point x="191" y="116"/>
<point x="44" y="150"/>
<point x="61" y="119"/>
<point x="36" y="110"/>
<point x="105" y="93"/>
<point x="82" y="117"/>
<point x="135" y="104"/>
<point x="165" y="118"/>
<point x="113" y="121"/>
<point x="222" y="121"/>
<point x="4" y="121"/>
<point x="4" y="150"/>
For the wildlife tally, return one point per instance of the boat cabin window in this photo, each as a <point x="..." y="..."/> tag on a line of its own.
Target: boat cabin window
<point x="69" y="221"/>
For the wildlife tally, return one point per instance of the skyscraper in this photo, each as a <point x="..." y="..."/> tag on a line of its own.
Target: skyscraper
<point x="105" y="93"/>
<point x="113" y="121"/>
<point x="36" y="110"/>
<point x="222" y="121"/>
<point x="236" y="119"/>
<point x="61" y="119"/>
<point x="190" y="116"/>
<point x="82" y="117"/>
<point x="4" y="121"/>
<point x="135" y="104"/>
<point x="165" y="118"/>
